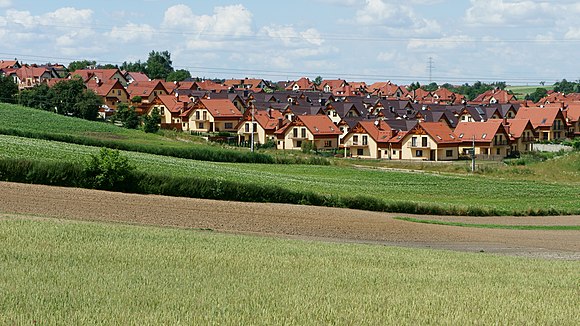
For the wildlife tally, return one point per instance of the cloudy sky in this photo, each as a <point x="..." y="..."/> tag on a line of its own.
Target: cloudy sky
<point x="518" y="41"/>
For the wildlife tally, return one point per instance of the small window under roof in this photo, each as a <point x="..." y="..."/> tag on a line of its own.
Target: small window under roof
<point x="483" y="136"/>
<point x="460" y="135"/>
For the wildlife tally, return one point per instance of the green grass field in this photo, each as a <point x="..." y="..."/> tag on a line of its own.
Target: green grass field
<point x="479" y="191"/>
<point x="521" y="91"/>
<point x="60" y="272"/>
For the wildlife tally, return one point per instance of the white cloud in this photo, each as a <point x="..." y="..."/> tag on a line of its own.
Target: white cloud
<point x="395" y="17"/>
<point x="234" y="20"/>
<point x="5" y="3"/>
<point x="132" y="32"/>
<point x="312" y="36"/>
<point x="442" y="43"/>
<point x="387" y="56"/>
<point x="518" y="12"/>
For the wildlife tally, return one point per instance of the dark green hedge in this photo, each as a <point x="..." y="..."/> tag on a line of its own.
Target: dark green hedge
<point x="71" y="175"/>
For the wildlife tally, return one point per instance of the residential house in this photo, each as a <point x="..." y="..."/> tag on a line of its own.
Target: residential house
<point x="573" y="118"/>
<point x="212" y="115"/>
<point x="427" y="141"/>
<point x="387" y="90"/>
<point x="336" y="111"/>
<point x="522" y="135"/>
<point x="302" y="84"/>
<point x="369" y="139"/>
<point x="170" y="109"/>
<point x="30" y="76"/>
<point x="147" y="91"/>
<point x="494" y="96"/>
<point x="444" y="96"/>
<point x="330" y="85"/>
<point x="132" y="77"/>
<point x="318" y="129"/>
<point x="9" y="64"/>
<point x="254" y="85"/>
<point x="101" y="75"/>
<point x="489" y="138"/>
<point x="548" y="121"/>
<point x="111" y="91"/>
<point x="265" y="124"/>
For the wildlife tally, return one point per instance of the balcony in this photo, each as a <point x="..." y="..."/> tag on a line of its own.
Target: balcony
<point x="417" y="145"/>
<point x="500" y="142"/>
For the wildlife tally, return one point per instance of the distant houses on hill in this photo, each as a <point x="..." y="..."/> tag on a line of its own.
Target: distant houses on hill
<point x="379" y="121"/>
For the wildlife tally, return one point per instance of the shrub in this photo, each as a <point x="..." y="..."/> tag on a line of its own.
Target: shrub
<point x="108" y="170"/>
<point x="151" y="122"/>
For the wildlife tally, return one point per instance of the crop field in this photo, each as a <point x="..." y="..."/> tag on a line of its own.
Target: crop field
<point x="522" y="91"/>
<point x="37" y="121"/>
<point x="387" y="185"/>
<point x="62" y="272"/>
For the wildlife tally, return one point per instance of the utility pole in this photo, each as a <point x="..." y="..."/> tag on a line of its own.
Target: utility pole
<point x="430" y="67"/>
<point x="252" y="136"/>
<point x="473" y="155"/>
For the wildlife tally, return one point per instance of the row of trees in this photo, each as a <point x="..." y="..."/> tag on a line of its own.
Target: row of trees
<point x="129" y="118"/>
<point x="157" y="66"/>
<point x="68" y="97"/>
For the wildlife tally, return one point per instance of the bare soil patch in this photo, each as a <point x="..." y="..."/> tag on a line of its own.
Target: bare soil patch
<point x="291" y="221"/>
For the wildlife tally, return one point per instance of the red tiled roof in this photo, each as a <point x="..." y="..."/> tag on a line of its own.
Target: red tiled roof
<point x="573" y="111"/>
<point x="319" y="125"/>
<point x="540" y="117"/>
<point x="480" y="131"/>
<point x="378" y="130"/>
<point x="438" y="131"/>
<point x="208" y="85"/>
<point x="516" y="127"/>
<point x="4" y="64"/>
<point x="220" y="108"/>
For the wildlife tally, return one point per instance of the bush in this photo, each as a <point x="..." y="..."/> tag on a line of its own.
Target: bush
<point x="108" y="170"/>
<point x="151" y="122"/>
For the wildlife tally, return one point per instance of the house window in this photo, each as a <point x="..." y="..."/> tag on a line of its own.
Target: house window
<point x="299" y="143"/>
<point x="394" y="152"/>
<point x="557" y="135"/>
<point x="327" y="143"/>
<point x="360" y="151"/>
<point x="184" y="125"/>
<point x="196" y="115"/>
<point x="449" y="153"/>
<point x="229" y="125"/>
<point x="424" y="141"/>
<point x="419" y="153"/>
<point x="162" y="110"/>
<point x="200" y="125"/>
<point x="497" y="151"/>
<point x="247" y="127"/>
<point x="355" y="139"/>
<point x="204" y="115"/>
<point x="303" y="133"/>
<point x="545" y="135"/>
<point x="365" y="140"/>
<point x="295" y="132"/>
<point x="414" y="141"/>
<point x="334" y="114"/>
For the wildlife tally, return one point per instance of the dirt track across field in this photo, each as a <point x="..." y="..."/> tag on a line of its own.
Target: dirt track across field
<point x="292" y="221"/>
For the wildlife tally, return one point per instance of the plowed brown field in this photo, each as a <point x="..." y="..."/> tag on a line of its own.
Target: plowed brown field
<point x="291" y="221"/>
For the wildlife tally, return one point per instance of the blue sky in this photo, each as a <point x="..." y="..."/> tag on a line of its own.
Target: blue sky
<point x="518" y="41"/>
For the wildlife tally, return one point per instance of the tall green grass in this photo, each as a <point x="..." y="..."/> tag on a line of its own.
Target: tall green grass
<point x="58" y="272"/>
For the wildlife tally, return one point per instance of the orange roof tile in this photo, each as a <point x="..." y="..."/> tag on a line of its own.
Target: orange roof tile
<point x="220" y="108"/>
<point x="480" y="131"/>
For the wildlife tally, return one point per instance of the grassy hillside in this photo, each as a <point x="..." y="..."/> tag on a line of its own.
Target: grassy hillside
<point x="424" y="188"/>
<point x="521" y="91"/>
<point x="59" y="272"/>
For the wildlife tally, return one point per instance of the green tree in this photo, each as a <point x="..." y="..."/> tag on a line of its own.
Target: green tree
<point x="178" y="75"/>
<point x="88" y="105"/>
<point x="38" y="97"/>
<point x="565" y="86"/>
<point x="537" y="95"/>
<point x="151" y="122"/>
<point x="8" y="89"/>
<point x="134" y="66"/>
<point x="318" y="80"/>
<point x="83" y="64"/>
<point x="108" y="66"/>
<point x="109" y="170"/>
<point x="127" y="115"/>
<point x="159" y="65"/>
<point x="431" y="87"/>
<point x="413" y="86"/>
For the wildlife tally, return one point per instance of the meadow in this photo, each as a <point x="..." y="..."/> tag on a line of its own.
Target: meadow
<point x="62" y="272"/>
<point x="509" y="196"/>
<point x="521" y="91"/>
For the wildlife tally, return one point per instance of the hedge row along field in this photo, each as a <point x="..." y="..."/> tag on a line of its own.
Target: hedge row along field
<point x="320" y="185"/>
<point x="31" y="123"/>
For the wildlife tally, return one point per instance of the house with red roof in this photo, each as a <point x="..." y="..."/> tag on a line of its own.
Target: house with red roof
<point x="317" y="129"/>
<point x="387" y="90"/>
<point x="427" y="141"/>
<point x="252" y="84"/>
<point x="522" y="134"/>
<point x="444" y="96"/>
<point x="132" y="76"/>
<point x="111" y="91"/>
<point x="9" y="64"/>
<point x="265" y="124"/>
<point x="302" y="84"/>
<point x="549" y="121"/>
<point x="170" y="109"/>
<point x="212" y="115"/>
<point x="330" y="85"/>
<point x="147" y="91"/>
<point x="490" y="138"/>
<point x="369" y="139"/>
<point x="101" y="75"/>
<point x="211" y="86"/>
<point x="573" y="119"/>
<point x="494" y="96"/>
<point x="30" y="76"/>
